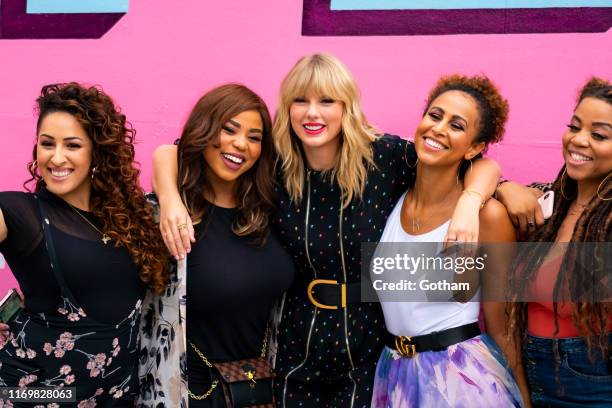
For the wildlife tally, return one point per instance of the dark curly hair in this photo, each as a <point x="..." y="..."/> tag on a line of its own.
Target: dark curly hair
<point x="255" y="192"/>
<point x="492" y="105"/>
<point x="116" y="197"/>
<point x="581" y="271"/>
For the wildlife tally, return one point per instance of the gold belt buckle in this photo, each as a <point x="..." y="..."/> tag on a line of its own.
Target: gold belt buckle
<point x="316" y="282"/>
<point x="404" y="347"/>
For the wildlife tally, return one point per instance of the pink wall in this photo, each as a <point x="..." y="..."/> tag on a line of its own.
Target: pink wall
<point x="159" y="59"/>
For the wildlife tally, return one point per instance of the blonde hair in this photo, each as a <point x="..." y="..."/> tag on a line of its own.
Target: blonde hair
<point x="324" y="75"/>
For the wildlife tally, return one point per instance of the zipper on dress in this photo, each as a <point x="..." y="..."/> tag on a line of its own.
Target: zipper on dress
<point x="314" y="271"/>
<point x="348" y="347"/>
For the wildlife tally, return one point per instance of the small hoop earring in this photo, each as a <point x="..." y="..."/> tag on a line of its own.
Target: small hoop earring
<point x="599" y="188"/>
<point x="93" y="173"/>
<point x="34" y="166"/>
<point x="563" y="185"/>
<point x="406" y="157"/>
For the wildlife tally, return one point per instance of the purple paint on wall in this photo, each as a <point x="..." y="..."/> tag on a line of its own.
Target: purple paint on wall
<point x="319" y="20"/>
<point x="15" y="23"/>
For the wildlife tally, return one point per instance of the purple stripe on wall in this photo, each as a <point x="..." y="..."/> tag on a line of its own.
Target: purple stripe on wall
<point x="16" y="24"/>
<point x="319" y="20"/>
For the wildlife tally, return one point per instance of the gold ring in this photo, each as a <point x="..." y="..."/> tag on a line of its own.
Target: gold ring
<point x="181" y="226"/>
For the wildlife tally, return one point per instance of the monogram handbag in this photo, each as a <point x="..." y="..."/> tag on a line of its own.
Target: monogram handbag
<point x="247" y="383"/>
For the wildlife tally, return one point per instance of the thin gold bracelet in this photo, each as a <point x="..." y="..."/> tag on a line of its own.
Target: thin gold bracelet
<point x="480" y="196"/>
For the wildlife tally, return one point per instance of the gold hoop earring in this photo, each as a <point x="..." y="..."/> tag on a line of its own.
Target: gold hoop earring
<point x="471" y="169"/>
<point x="599" y="188"/>
<point x="563" y="185"/>
<point x="406" y="157"/>
<point x="34" y="166"/>
<point x="93" y="173"/>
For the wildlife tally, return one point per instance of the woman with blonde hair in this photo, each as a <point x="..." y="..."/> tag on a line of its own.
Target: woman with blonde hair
<point x="338" y="181"/>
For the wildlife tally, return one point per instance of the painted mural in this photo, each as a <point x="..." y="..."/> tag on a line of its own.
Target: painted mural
<point x="45" y="19"/>
<point x="443" y="17"/>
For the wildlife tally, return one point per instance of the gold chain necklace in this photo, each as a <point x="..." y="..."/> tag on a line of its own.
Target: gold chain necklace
<point x="105" y="237"/>
<point x="215" y="383"/>
<point x="416" y="221"/>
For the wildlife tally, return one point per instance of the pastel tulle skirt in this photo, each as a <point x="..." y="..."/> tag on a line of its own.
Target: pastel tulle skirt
<point x="470" y="374"/>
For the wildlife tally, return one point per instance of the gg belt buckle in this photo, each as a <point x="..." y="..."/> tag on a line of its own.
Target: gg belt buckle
<point x="404" y="346"/>
<point x="316" y="282"/>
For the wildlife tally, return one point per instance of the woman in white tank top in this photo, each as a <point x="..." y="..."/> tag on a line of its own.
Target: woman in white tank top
<point x="435" y="354"/>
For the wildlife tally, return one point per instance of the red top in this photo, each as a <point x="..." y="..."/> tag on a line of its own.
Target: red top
<point x="540" y="315"/>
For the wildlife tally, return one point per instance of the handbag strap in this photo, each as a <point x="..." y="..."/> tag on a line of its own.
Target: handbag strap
<point x="55" y="265"/>
<point x="210" y="365"/>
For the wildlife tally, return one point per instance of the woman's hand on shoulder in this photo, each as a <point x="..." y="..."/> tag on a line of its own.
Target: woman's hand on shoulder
<point x="176" y="226"/>
<point x="464" y="224"/>
<point x="522" y="205"/>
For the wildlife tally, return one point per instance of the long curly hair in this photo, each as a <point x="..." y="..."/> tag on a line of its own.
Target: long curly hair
<point x="116" y="197"/>
<point x="582" y="272"/>
<point x="255" y="191"/>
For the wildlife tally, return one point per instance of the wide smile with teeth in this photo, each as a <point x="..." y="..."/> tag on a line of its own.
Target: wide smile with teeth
<point x="433" y="144"/>
<point x="579" y="157"/>
<point x="60" y="173"/>
<point x="232" y="158"/>
<point x="313" y="128"/>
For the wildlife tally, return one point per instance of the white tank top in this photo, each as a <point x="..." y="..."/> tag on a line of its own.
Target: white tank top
<point x="417" y="318"/>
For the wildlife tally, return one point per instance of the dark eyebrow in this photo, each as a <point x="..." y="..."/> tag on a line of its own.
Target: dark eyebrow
<point x="461" y="118"/>
<point x="65" y="139"/>
<point x="454" y="116"/>
<point x="576" y="118"/>
<point x="255" y="130"/>
<point x="604" y="124"/>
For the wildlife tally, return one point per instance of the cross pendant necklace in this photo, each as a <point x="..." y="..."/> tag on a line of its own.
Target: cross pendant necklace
<point x="105" y="236"/>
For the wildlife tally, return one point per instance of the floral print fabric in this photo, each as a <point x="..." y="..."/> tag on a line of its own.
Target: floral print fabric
<point x="71" y="350"/>
<point x="163" y="365"/>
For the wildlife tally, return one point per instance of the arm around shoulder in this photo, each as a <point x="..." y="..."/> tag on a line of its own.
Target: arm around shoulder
<point x="483" y="177"/>
<point x="165" y="171"/>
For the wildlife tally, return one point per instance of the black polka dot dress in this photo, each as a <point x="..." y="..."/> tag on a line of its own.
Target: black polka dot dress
<point x="326" y="358"/>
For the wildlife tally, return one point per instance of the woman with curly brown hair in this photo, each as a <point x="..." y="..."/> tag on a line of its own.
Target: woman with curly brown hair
<point x="83" y="248"/>
<point x="436" y="355"/>
<point x="565" y="327"/>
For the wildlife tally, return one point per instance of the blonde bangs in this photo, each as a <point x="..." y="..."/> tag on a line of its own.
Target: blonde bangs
<point x="324" y="75"/>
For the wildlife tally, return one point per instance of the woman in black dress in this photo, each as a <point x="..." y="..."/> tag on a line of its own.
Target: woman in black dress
<point x="237" y="269"/>
<point x="83" y="247"/>
<point x="338" y="180"/>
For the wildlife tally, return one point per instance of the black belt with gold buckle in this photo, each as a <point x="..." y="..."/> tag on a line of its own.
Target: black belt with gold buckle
<point x="436" y="341"/>
<point x="329" y="294"/>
